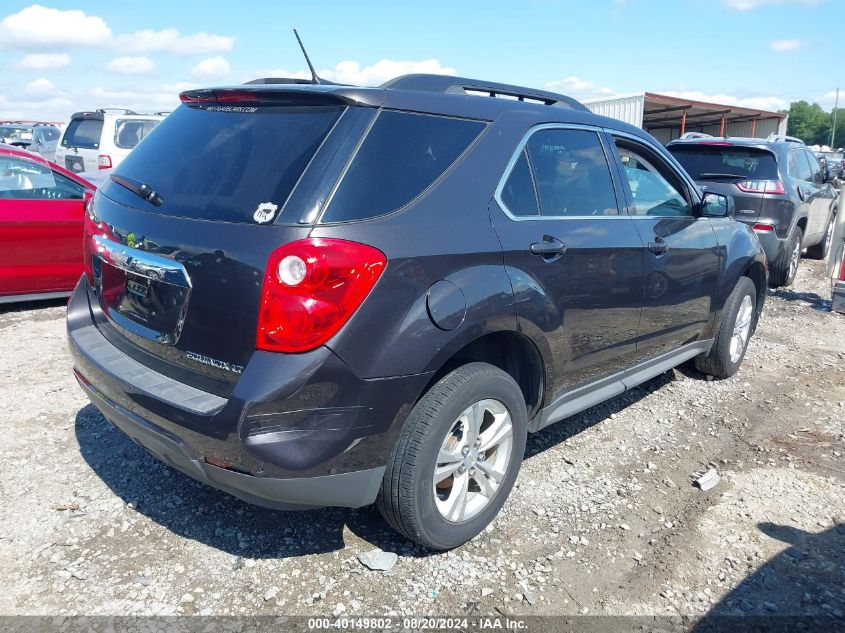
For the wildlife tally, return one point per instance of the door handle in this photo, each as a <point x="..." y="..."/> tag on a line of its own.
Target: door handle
<point x="550" y="246"/>
<point x="658" y="246"/>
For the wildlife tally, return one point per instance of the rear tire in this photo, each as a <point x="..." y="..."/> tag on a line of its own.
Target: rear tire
<point x="735" y="330"/>
<point x="783" y="270"/>
<point x="438" y="434"/>
<point x="822" y="249"/>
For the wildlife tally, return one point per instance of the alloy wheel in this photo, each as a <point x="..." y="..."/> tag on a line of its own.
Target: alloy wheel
<point x="742" y="328"/>
<point x="473" y="460"/>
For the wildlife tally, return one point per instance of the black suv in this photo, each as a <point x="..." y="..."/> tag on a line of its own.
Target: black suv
<point x="779" y="188"/>
<point x="311" y="295"/>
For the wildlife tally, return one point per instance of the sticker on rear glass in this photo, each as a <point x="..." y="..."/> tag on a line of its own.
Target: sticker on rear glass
<point x="265" y="212"/>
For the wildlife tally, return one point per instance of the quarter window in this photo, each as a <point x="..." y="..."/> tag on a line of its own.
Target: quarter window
<point x="802" y="170"/>
<point x="402" y="155"/>
<point x="519" y="194"/>
<point x="652" y="192"/>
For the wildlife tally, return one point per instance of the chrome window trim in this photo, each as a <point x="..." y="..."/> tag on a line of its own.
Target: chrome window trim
<point x="497" y="195"/>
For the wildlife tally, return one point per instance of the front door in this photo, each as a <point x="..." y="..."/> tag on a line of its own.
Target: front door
<point x="40" y="228"/>
<point x="682" y="258"/>
<point x="575" y="261"/>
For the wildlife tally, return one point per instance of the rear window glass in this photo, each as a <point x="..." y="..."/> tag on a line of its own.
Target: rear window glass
<point x="233" y="165"/>
<point x="708" y="161"/>
<point x="83" y="133"/>
<point x="129" y="132"/>
<point x="402" y="155"/>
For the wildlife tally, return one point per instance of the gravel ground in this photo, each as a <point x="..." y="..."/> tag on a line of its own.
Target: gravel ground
<point x="604" y="519"/>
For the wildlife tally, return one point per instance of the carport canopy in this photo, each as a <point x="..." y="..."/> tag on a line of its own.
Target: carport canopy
<point x="677" y="116"/>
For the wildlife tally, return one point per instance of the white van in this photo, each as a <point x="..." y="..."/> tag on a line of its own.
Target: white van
<point x="102" y="139"/>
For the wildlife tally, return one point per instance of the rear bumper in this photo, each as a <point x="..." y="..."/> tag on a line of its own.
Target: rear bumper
<point x="772" y="245"/>
<point x="297" y="431"/>
<point x="353" y="489"/>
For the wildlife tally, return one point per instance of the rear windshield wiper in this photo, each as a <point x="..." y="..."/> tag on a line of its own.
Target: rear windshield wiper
<point x="141" y="189"/>
<point x="709" y="176"/>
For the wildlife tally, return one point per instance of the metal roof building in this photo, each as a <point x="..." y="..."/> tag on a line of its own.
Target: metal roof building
<point x="666" y="118"/>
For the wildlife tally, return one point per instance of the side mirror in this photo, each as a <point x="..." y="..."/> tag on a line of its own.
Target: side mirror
<point x="717" y="205"/>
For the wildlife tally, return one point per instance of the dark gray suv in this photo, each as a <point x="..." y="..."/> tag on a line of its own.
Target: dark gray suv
<point x="312" y="295"/>
<point x="779" y="188"/>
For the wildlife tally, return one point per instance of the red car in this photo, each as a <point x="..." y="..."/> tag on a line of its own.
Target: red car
<point x="41" y="212"/>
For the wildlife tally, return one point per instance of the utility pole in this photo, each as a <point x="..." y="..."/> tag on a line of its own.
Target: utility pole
<point x="833" y="129"/>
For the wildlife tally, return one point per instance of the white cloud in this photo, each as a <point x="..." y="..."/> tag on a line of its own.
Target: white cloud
<point x="750" y="5"/>
<point x="42" y="27"/>
<point x="173" y="42"/>
<point x="211" y="68"/>
<point x="578" y="88"/>
<point x="767" y="102"/>
<point x="782" y="46"/>
<point x="131" y="65"/>
<point x="45" y="61"/>
<point x="351" y="72"/>
<point x="40" y="86"/>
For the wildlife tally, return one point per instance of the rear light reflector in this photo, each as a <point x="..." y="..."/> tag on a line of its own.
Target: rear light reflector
<point x="761" y="186"/>
<point x="311" y="288"/>
<point x="763" y="227"/>
<point x="104" y="161"/>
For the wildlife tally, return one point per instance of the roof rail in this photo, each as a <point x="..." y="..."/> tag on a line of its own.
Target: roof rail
<point x="124" y="110"/>
<point x="466" y="86"/>
<point x="782" y="138"/>
<point x="690" y="135"/>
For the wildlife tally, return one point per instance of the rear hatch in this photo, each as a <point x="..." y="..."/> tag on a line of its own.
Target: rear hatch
<point x="749" y="174"/>
<point x="80" y="144"/>
<point x="180" y="235"/>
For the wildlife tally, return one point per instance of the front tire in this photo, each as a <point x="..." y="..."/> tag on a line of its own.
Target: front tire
<point x="735" y="330"/>
<point x="785" y="267"/>
<point x="457" y="457"/>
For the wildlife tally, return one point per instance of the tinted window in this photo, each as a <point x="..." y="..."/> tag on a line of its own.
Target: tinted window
<point x="129" y="132"/>
<point x="402" y="155"/>
<point x="802" y="169"/>
<point x="652" y="191"/>
<point x="83" y="133"/>
<point x="223" y="165"/>
<point x="571" y="172"/>
<point x="704" y="162"/>
<point x="518" y="194"/>
<point x="815" y="168"/>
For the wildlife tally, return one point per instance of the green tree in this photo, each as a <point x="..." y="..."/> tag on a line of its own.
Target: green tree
<point x="810" y="123"/>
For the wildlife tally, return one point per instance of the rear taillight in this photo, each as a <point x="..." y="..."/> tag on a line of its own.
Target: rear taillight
<point x="104" y="161"/>
<point x="761" y="186"/>
<point x="763" y="227"/>
<point x="90" y="228"/>
<point x="311" y="288"/>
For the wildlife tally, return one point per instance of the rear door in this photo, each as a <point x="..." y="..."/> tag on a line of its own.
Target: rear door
<point x="575" y="261"/>
<point x="815" y="191"/>
<point x="682" y="258"/>
<point x="40" y="228"/>
<point x="80" y="144"/>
